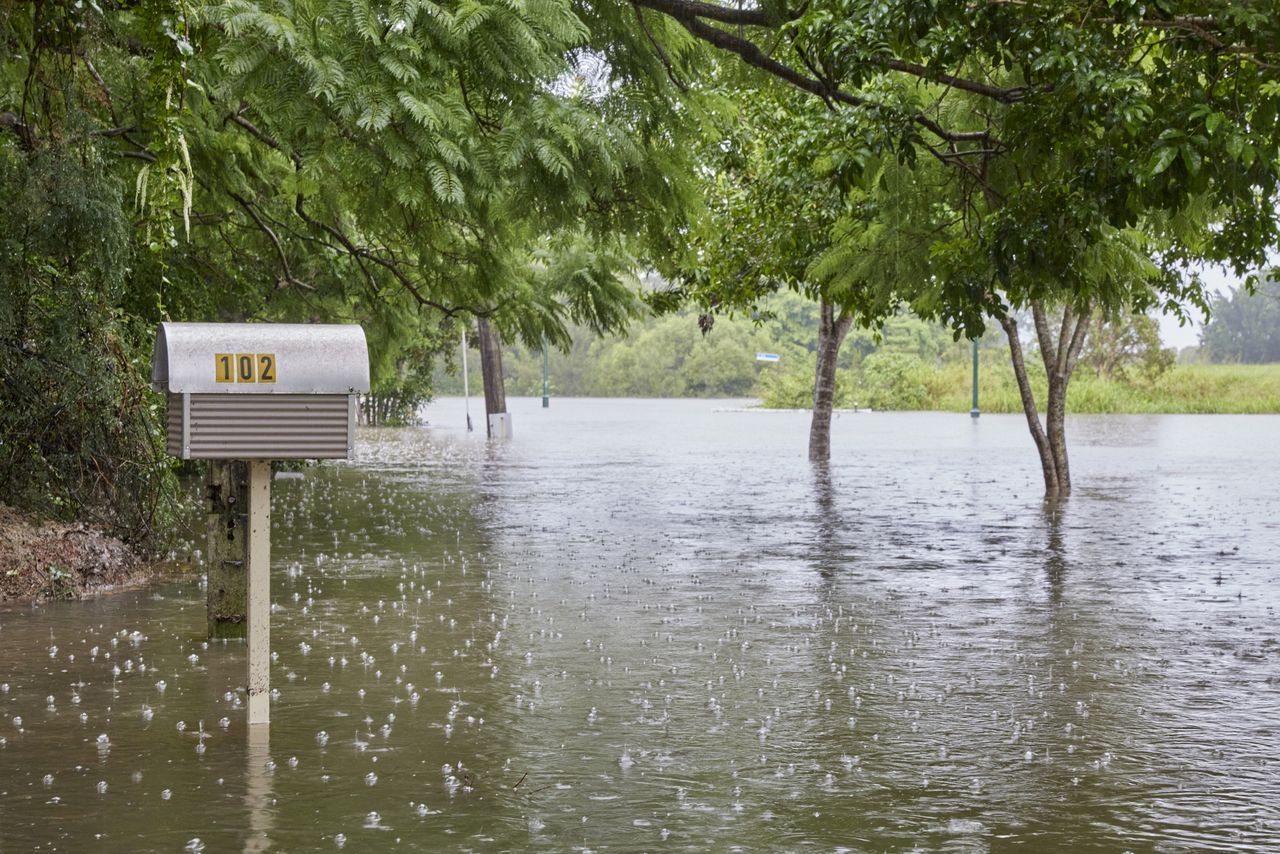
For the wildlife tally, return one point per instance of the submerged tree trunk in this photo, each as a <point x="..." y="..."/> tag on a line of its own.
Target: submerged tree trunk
<point x="832" y="330"/>
<point x="495" y="392"/>
<point x="1060" y="354"/>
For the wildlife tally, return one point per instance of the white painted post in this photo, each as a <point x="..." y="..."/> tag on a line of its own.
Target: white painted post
<point x="500" y="425"/>
<point x="257" y="796"/>
<point x="258" y="558"/>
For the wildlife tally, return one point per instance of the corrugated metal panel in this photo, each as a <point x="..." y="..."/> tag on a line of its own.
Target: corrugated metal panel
<point x="265" y="426"/>
<point x="173" y="425"/>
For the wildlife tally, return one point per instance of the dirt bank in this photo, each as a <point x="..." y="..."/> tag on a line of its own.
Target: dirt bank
<point x="59" y="561"/>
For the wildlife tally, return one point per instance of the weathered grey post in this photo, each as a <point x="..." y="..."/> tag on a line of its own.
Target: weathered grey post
<point x="225" y="555"/>
<point x="974" y="412"/>
<point x="241" y="395"/>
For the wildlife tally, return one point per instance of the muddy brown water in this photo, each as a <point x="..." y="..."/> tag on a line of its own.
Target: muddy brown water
<point x="652" y="625"/>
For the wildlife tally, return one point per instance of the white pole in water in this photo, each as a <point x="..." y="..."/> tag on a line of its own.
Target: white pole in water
<point x="466" y="381"/>
<point x="258" y="558"/>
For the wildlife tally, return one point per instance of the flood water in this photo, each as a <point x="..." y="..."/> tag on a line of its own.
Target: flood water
<point x="652" y="625"/>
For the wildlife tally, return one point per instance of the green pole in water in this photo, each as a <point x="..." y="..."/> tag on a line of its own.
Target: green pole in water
<point x="975" y="412"/>
<point x="546" y="395"/>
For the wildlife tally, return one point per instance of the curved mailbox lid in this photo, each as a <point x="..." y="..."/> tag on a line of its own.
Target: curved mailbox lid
<point x="285" y="358"/>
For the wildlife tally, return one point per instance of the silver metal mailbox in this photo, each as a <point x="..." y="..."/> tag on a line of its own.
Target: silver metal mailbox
<point x="261" y="391"/>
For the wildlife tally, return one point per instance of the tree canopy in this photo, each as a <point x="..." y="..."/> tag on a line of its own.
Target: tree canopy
<point x="403" y="165"/>
<point x="415" y="165"/>
<point x="1091" y="154"/>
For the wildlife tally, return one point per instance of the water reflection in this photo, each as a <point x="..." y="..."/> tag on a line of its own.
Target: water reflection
<point x="825" y="521"/>
<point x="258" y="789"/>
<point x="1054" y="552"/>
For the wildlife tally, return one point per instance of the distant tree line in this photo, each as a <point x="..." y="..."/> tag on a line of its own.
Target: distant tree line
<point x="673" y="356"/>
<point x="1245" y="327"/>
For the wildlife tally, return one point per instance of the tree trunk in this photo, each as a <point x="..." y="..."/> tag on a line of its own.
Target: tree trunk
<point x="831" y="334"/>
<point x="495" y="392"/>
<point x="1029" y="406"/>
<point x="1060" y="355"/>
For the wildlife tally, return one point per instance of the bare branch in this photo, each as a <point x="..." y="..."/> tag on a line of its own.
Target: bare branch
<point x="687" y="10"/>
<point x="751" y="54"/>
<point x="361" y="252"/>
<point x="996" y="93"/>
<point x="1078" y="338"/>
<point x="261" y="135"/>
<point x="1048" y="352"/>
<point x="682" y="9"/>
<point x="115" y="131"/>
<point x="287" y="278"/>
<point x="1064" y="342"/>
<point x="661" y="52"/>
<point x="102" y="86"/>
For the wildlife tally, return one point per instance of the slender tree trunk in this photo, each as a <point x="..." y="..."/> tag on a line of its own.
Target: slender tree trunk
<point x="832" y="330"/>
<point x="1060" y="355"/>
<point x="495" y="392"/>
<point x="1029" y="405"/>
<point x="1075" y="328"/>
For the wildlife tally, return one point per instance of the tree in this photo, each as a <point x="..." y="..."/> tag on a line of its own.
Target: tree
<point x="1127" y="347"/>
<point x="775" y="195"/>
<point x="1245" y="326"/>
<point x="442" y="153"/>
<point x="404" y="168"/>
<point x="79" y="436"/>
<point x="1092" y="155"/>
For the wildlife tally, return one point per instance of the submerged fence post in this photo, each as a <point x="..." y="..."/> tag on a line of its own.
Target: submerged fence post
<point x="975" y="412"/>
<point x="259" y="574"/>
<point x="466" y="381"/>
<point x="546" y="390"/>
<point x="227" y="532"/>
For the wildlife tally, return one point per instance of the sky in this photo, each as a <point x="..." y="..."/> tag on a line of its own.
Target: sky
<point x="1216" y="280"/>
<point x="1177" y="336"/>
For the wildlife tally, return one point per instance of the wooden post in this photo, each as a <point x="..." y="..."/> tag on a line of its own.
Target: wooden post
<point x="227" y="532"/>
<point x="259" y="575"/>
<point x="497" y="420"/>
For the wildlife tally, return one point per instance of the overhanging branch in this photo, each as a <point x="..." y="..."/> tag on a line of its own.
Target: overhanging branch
<point x="356" y="251"/>
<point x="751" y="54"/>
<point x="287" y="278"/>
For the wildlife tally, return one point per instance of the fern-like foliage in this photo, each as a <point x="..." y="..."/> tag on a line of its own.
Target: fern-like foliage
<point x="445" y="141"/>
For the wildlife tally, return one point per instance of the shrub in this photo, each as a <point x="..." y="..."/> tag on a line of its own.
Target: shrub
<point x="894" y="381"/>
<point x="80" y="434"/>
<point x="793" y="389"/>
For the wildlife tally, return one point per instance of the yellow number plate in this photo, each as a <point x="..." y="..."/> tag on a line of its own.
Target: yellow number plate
<point x="244" y="367"/>
<point x="222" y="367"/>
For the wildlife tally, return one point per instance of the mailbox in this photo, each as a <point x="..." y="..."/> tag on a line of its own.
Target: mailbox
<point x="260" y="391"/>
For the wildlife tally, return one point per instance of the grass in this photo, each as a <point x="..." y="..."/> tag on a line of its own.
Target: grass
<point x="1201" y="389"/>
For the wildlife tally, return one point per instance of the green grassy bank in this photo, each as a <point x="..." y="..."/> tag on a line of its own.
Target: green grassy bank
<point x="914" y="385"/>
<point x="1181" y="389"/>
